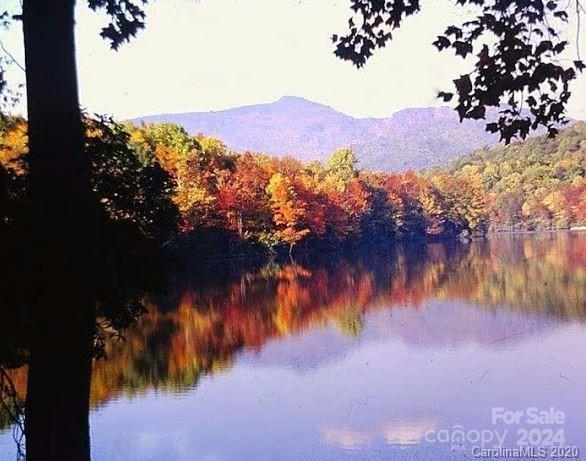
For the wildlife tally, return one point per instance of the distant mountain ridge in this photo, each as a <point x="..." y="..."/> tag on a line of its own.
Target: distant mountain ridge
<point x="411" y="138"/>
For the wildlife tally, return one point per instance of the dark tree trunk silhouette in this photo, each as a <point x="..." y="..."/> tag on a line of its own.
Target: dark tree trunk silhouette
<point x="62" y="308"/>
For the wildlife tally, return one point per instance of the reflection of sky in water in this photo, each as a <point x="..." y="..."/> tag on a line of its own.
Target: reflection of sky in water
<point x="438" y="325"/>
<point x="352" y="362"/>
<point x="321" y="395"/>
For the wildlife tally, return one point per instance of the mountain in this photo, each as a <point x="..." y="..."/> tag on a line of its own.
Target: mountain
<point x="411" y="138"/>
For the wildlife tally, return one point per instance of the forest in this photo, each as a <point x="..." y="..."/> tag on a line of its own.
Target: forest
<point x="193" y="193"/>
<point x="535" y="184"/>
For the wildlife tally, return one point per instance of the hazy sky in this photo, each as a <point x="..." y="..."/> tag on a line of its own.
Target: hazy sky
<point x="215" y="54"/>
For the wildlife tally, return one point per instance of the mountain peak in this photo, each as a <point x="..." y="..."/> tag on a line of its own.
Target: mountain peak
<point x="297" y="102"/>
<point x="295" y="99"/>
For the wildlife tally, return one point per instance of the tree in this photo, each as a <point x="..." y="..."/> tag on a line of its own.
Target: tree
<point x="516" y="46"/>
<point x="167" y="143"/>
<point x="61" y="238"/>
<point x="380" y="222"/>
<point x="127" y="189"/>
<point x="434" y="210"/>
<point x="355" y="202"/>
<point x="465" y="203"/>
<point x="62" y="226"/>
<point x="243" y="198"/>
<point x="341" y="169"/>
<point x="288" y="213"/>
<point x="575" y="196"/>
<point x="134" y="213"/>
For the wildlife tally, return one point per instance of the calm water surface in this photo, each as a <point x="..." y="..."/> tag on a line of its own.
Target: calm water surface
<point x="372" y="356"/>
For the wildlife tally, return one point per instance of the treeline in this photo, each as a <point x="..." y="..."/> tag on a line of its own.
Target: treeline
<point x="193" y="193"/>
<point x="281" y="202"/>
<point x="154" y="173"/>
<point x="536" y="184"/>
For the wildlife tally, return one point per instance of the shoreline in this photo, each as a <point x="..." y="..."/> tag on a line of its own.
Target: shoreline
<point x="537" y="231"/>
<point x="256" y="255"/>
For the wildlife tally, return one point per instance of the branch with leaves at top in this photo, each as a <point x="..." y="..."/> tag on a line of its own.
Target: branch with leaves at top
<point x="517" y="46"/>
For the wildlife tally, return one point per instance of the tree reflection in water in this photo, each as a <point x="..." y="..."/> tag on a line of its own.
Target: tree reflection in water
<point x="206" y="316"/>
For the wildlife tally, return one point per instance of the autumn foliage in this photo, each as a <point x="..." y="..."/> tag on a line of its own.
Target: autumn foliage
<point x="269" y="202"/>
<point x="536" y="184"/>
<point x="228" y="202"/>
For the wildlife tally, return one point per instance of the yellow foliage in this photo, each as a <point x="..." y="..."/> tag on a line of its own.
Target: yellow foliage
<point x="13" y="147"/>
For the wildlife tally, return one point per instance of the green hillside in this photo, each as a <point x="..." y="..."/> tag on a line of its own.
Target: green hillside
<point x="536" y="184"/>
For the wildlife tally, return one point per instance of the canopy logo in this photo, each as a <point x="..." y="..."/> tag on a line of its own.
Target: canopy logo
<point x="534" y="429"/>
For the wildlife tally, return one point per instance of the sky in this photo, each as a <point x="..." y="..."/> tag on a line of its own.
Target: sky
<point x="205" y="55"/>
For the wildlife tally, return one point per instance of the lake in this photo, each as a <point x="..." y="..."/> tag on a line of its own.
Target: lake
<point x="425" y="351"/>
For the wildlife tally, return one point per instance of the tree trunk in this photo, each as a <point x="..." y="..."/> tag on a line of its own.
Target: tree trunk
<point x="62" y="311"/>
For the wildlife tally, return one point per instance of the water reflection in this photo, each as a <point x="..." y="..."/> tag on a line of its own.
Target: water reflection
<point x="352" y="358"/>
<point x="498" y="292"/>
